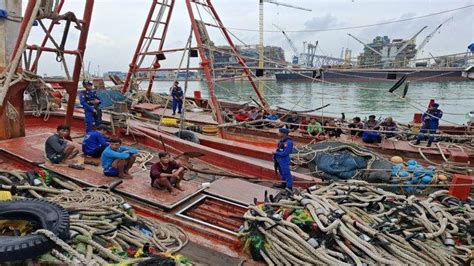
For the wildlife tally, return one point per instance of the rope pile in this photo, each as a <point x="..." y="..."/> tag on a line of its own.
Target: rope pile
<point x="355" y="223"/>
<point x="104" y="228"/>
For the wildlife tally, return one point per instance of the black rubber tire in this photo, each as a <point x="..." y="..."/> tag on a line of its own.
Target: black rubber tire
<point x="188" y="135"/>
<point x="49" y="216"/>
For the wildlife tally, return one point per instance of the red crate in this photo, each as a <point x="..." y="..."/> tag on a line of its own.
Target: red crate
<point x="461" y="192"/>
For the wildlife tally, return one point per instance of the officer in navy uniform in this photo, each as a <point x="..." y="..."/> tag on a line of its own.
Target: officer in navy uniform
<point x="91" y="104"/>
<point x="178" y="95"/>
<point x="281" y="158"/>
<point x="430" y="123"/>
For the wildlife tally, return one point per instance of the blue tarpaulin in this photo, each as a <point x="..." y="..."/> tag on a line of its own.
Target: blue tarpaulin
<point x="340" y="165"/>
<point x="108" y="97"/>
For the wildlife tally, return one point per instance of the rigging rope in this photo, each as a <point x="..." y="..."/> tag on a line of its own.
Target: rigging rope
<point x="361" y="26"/>
<point x="406" y="99"/>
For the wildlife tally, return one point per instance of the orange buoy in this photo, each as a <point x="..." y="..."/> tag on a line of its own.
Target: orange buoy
<point x="396" y="159"/>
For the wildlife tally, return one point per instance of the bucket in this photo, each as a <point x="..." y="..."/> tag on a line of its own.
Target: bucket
<point x="210" y="130"/>
<point x="197" y="95"/>
<point x="170" y="122"/>
<point x="417" y="118"/>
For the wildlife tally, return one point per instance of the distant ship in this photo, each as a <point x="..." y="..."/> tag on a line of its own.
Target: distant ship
<point x="374" y="75"/>
<point x="382" y="60"/>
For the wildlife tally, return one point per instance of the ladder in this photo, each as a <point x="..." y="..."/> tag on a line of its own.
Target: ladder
<point x="148" y="53"/>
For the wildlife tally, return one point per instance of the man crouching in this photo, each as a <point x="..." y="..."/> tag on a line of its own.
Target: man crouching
<point x="58" y="149"/>
<point x="166" y="173"/>
<point x="117" y="160"/>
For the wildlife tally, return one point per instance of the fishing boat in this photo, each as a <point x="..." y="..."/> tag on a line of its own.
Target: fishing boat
<point x="202" y="223"/>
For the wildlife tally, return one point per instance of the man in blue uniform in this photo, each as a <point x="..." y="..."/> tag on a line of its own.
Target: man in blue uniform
<point x="430" y="123"/>
<point x="282" y="159"/>
<point x="91" y="104"/>
<point x="94" y="143"/>
<point x="178" y="96"/>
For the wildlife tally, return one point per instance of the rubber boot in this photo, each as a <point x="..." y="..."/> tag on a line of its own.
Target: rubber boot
<point x="417" y="142"/>
<point x="429" y="143"/>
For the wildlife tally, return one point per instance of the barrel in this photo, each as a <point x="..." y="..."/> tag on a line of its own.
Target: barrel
<point x="417" y="118"/>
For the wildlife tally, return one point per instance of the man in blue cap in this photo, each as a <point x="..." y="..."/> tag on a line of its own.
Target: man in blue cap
<point x="91" y="104"/>
<point x="430" y="123"/>
<point x="281" y="158"/>
<point x="178" y="96"/>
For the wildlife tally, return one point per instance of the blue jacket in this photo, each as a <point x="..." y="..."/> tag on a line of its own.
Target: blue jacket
<point x="85" y="98"/>
<point x="109" y="155"/>
<point x="283" y="151"/>
<point x="177" y="93"/>
<point x="272" y="117"/>
<point x="433" y="120"/>
<point x="92" y="141"/>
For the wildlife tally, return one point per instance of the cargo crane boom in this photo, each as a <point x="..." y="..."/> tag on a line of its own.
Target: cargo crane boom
<point x="410" y="41"/>
<point x="292" y="45"/>
<point x="365" y="45"/>
<point x="261" y="46"/>
<point x="428" y="38"/>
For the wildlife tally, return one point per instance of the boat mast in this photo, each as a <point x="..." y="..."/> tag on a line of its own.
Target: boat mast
<point x="13" y="85"/>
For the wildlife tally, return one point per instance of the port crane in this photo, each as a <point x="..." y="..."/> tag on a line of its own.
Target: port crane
<point x="428" y="38"/>
<point x="295" y="58"/>
<point x="261" y="48"/>
<point x="388" y="53"/>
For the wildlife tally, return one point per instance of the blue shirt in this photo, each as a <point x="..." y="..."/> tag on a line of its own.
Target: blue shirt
<point x="92" y="141"/>
<point x="272" y="117"/>
<point x="431" y="118"/>
<point x="109" y="155"/>
<point x="177" y="93"/>
<point x="284" y="149"/>
<point x="86" y="98"/>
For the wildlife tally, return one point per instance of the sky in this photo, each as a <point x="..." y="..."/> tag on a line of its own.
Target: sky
<point x="116" y="26"/>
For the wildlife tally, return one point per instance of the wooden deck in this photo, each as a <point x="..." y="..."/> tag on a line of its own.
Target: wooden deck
<point x="31" y="149"/>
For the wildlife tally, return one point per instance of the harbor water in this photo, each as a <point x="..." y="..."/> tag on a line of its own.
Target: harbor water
<point x="456" y="99"/>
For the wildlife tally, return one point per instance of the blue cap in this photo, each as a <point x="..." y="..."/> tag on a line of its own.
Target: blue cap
<point x="87" y="83"/>
<point x="435" y="105"/>
<point x="284" y="130"/>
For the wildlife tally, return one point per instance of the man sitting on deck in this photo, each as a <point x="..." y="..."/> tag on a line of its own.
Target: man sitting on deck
<point x="371" y="123"/>
<point x="253" y="114"/>
<point x="117" y="160"/>
<point x="94" y="143"/>
<point x="356" y="123"/>
<point x="389" y="125"/>
<point x="274" y="120"/>
<point x="227" y="115"/>
<point x="304" y="125"/>
<point x="331" y="129"/>
<point x="166" y="173"/>
<point x="242" y="116"/>
<point x="371" y="136"/>
<point x="314" y="128"/>
<point x="293" y="122"/>
<point x="57" y="148"/>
